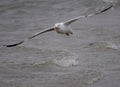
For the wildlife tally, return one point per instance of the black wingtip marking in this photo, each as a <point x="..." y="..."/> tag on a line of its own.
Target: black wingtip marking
<point x="107" y="8"/>
<point x="13" y="45"/>
<point x="104" y="10"/>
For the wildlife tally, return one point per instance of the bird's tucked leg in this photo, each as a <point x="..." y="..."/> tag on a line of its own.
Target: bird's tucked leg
<point x="68" y="34"/>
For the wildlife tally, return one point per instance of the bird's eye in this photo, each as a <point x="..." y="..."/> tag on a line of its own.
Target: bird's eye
<point x="56" y="28"/>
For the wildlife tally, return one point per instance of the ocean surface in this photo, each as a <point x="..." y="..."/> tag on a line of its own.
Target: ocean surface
<point x="88" y="58"/>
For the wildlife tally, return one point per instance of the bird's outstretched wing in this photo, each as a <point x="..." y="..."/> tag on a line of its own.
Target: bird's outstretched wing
<point x="41" y="32"/>
<point x="89" y="15"/>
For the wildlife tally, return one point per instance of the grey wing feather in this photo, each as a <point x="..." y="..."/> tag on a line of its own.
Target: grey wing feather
<point x="41" y="32"/>
<point x="73" y="20"/>
<point x="89" y="15"/>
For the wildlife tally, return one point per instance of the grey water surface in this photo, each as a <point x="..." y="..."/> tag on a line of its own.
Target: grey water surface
<point x="88" y="58"/>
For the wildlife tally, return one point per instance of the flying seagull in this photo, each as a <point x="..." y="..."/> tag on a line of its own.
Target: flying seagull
<point x="61" y="28"/>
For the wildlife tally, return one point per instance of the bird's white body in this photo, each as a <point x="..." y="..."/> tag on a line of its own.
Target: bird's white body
<point x="61" y="28"/>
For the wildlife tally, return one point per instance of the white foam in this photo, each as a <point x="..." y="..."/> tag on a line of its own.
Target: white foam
<point x="70" y="59"/>
<point x="112" y="46"/>
<point x="63" y="58"/>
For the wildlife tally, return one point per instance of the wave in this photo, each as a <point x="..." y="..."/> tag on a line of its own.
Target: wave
<point x="62" y="58"/>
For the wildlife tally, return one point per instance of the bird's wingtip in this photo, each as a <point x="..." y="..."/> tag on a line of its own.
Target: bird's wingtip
<point x="13" y="45"/>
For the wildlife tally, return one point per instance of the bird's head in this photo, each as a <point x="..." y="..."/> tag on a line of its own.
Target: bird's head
<point x="57" y="25"/>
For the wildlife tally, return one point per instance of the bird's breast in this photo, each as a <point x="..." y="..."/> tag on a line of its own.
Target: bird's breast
<point x="62" y="30"/>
